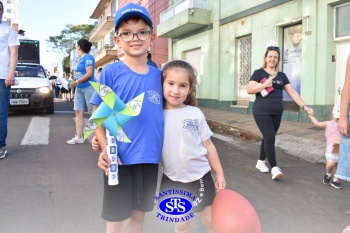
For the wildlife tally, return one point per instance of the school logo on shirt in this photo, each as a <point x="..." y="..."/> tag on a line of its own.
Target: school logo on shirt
<point x="189" y="125"/>
<point x="154" y="97"/>
<point x="175" y="202"/>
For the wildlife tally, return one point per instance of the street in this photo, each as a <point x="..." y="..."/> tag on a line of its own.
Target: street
<point x="50" y="186"/>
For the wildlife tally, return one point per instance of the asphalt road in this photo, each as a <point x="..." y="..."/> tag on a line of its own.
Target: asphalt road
<point x="54" y="187"/>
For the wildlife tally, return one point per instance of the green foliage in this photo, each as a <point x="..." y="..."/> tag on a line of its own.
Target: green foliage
<point x="64" y="43"/>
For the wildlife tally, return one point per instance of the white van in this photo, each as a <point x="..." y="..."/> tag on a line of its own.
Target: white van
<point x="33" y="90"/>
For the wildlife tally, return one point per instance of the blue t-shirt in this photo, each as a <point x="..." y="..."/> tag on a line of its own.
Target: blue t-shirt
<point x="80" y="70"/>
<point x="273" y="102"/>
<point x="145" y="131"/>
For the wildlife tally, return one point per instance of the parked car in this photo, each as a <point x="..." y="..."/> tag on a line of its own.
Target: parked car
<point x="33" y="90"/>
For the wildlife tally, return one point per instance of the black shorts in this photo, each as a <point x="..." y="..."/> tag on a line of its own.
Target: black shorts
<point x="203" y="189"/>
<point x="135" y="191"/>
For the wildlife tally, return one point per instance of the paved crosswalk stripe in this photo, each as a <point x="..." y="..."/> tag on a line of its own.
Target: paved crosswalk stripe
<point x="38" y="132"/>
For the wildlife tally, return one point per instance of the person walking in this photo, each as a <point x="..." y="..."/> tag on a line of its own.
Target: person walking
<point x="268" y="106"/>
<point x="188" y="154"/>
<point x="343" y="171"/>
<point x="332" y="146"/>
<point x="57" y="83"/>
<point x="83" y="74"/>
<point x="125" y="204"/>
<point x="9" y="44"/>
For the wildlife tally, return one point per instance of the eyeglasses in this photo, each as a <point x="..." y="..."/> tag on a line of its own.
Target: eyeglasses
<point x="273" y="48"/>
<point x="129" y="36"/>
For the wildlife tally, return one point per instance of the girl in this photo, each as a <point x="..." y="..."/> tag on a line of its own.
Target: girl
<point x="188" y="153"/>
<point x="332" y="148"/>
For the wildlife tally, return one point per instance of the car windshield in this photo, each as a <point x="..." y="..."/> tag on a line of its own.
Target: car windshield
<point x="30" y="71"/>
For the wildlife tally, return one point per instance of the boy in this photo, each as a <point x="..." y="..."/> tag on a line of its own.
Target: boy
<point x="124" y="204"/>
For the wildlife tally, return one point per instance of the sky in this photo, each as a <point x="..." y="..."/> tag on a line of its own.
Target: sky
<point x="44" y="18"/>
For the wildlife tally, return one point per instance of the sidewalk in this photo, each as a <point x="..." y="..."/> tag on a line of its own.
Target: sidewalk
<point x="302" y="140"/>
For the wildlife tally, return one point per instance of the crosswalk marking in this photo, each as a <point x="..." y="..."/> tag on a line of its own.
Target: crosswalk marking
<point x="38" y="132"/>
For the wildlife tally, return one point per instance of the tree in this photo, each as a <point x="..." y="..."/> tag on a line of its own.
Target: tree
<point x="64" y="43"/>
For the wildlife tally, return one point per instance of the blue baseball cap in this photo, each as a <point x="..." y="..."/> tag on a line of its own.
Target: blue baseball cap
<point x="132" y="9"/>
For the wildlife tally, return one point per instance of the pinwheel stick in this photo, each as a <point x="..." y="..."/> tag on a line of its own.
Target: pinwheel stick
<point x="113" y="156"/>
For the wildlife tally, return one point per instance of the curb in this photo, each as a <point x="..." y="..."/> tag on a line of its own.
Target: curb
<point x="306" y="149"/>
<point x="235" y="131"/>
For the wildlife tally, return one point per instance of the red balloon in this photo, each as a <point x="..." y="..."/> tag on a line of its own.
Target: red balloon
<point x="232" y="213"/>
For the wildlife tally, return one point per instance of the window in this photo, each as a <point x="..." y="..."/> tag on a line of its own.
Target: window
<point x="8" y="11"/>
<point x="114" y="7"/>
<point x="341" y="15"/>
<point x="244" y="61"/>
<point x="9" y="1"/>
<point x="111" y="38"/>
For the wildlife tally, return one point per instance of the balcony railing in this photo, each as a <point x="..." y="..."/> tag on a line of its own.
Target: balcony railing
<point x="101" y="21"/>
<point x="182" y="6"/>
<point x="103" y="50"/>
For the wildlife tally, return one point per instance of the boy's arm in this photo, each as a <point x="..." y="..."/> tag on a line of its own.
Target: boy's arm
<point x="215" y="164"/>
<point x="322" y="124"/>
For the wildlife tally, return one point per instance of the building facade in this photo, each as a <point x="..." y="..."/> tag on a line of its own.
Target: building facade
<point x="225" y="41"/>
<point x="103" y="33"/>
<point x="10" y="16"/>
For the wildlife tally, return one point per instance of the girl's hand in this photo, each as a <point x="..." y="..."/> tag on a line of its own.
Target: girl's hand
<point x="95" y="144"/>
<point x="309" y="111"/>
<point x="104" y="161"/>
<point x="220" y="182"/>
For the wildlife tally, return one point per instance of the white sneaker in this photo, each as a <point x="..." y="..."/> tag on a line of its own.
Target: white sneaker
<point x="3" y="152"/>
<point x="261" y="165"/>
<point x="276" y="173"/>
<point x="75" y="140"/>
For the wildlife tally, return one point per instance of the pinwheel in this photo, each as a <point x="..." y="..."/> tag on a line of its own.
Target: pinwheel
<point x="112" y="114"/>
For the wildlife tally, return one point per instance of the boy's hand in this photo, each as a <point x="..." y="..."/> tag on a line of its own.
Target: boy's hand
<point x="95" y="144"/>
<point x="104" y="161"/>
<point x="220" y="182"/>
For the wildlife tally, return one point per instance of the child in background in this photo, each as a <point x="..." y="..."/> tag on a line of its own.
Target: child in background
<point x="332" y="148"/>
<point x="64" y="91"/>
<point x="188" y="153"/>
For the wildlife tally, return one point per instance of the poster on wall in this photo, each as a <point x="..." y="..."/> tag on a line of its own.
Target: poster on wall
<point x="292" y="55"/>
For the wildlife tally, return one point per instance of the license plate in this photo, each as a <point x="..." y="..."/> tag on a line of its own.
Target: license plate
<point x="19" y="101"/>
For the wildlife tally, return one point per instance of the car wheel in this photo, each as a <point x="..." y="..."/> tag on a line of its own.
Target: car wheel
<point x="50" y="109"/>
